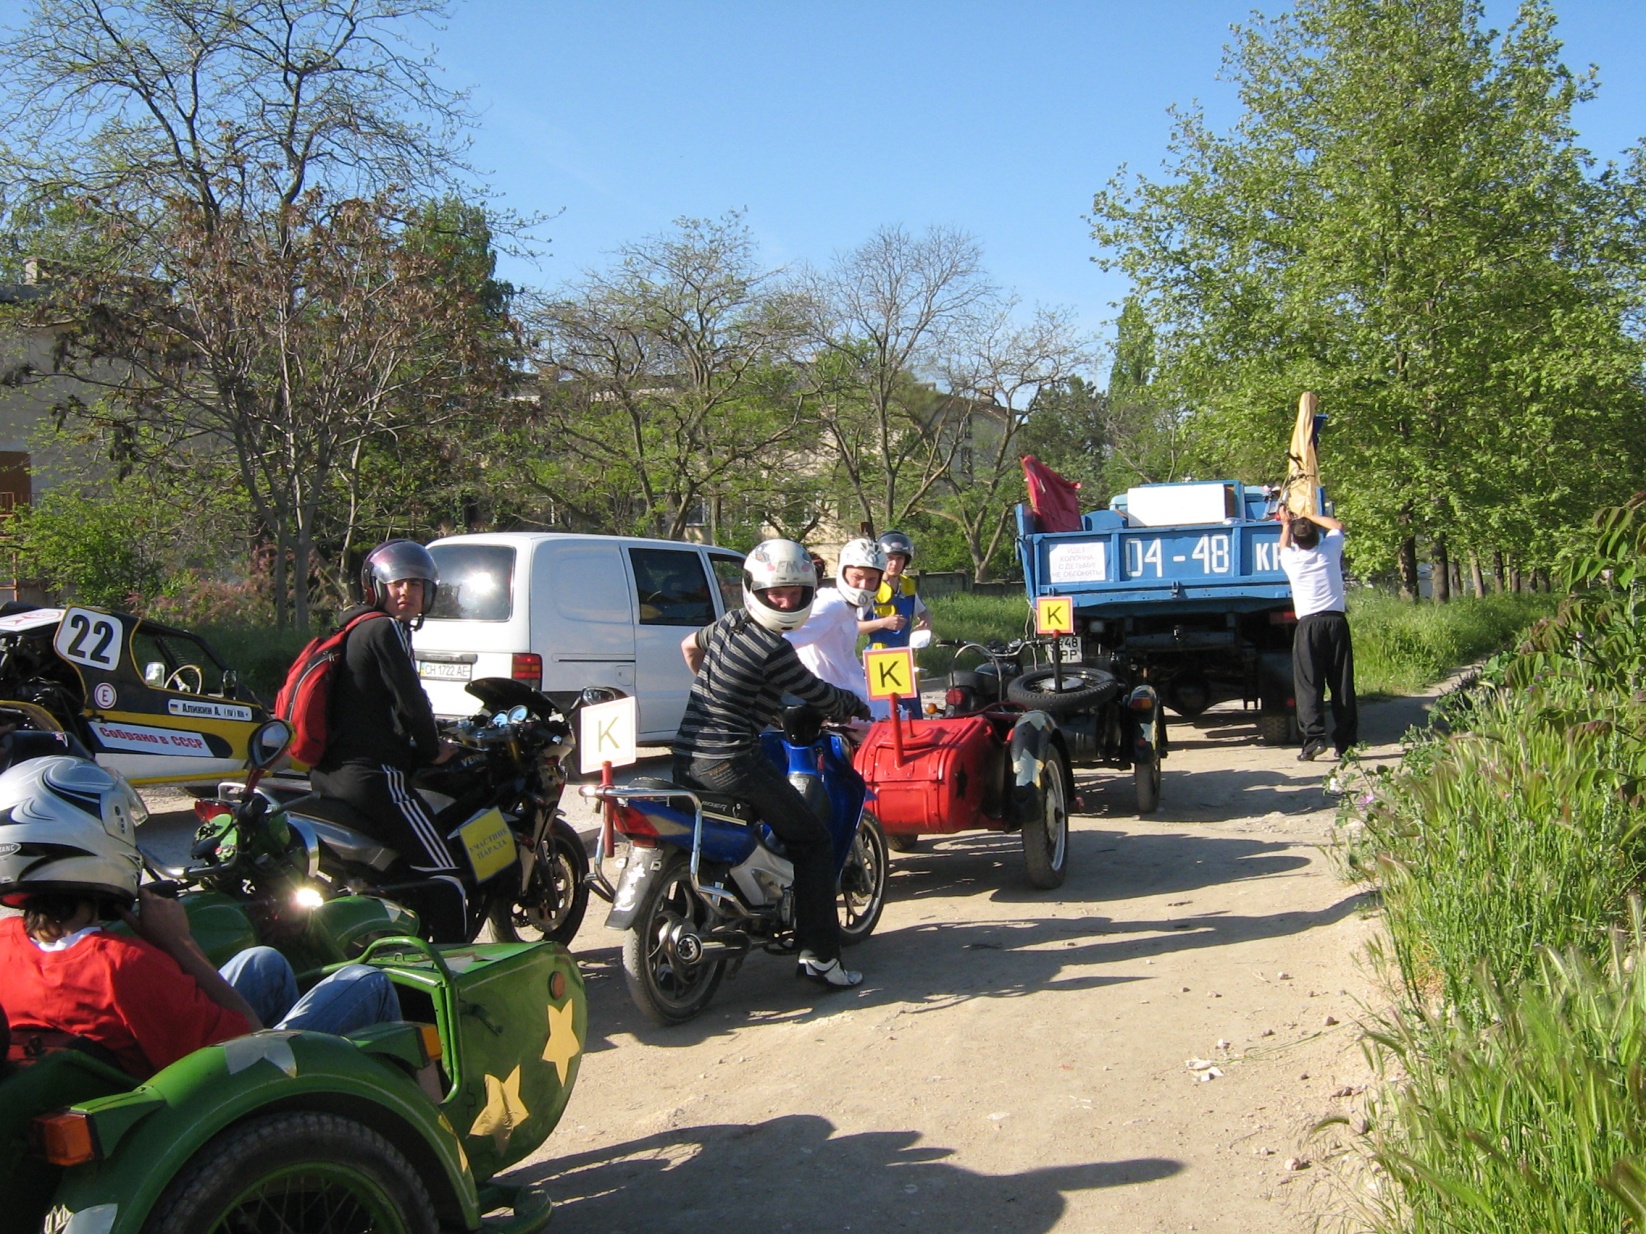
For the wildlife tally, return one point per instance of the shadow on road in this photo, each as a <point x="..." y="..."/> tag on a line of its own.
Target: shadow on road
<point x="794" y="1173"/>
<point x="937" y="963"/>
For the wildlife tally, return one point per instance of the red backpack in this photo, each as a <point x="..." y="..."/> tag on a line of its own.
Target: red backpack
<point x="304" y="700"/>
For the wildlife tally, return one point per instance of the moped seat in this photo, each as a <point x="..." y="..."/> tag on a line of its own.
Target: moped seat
<point x="722" y="805"/>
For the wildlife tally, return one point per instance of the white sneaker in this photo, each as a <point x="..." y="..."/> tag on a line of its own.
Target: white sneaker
<point x="831" y="975"/>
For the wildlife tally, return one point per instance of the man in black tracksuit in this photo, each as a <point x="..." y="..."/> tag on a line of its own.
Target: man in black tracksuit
<point x="381" y="729"/>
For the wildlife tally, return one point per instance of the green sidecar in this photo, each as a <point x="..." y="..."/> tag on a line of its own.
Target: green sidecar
<point x="399" y="1129"/>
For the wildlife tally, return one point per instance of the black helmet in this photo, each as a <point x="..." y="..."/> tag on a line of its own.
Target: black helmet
<point x="897" y="542"/>
<point x="392" y="561"/>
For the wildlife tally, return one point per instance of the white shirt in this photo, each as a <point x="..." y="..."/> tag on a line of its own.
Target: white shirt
<point x="827" y="643"/>
<point x="1316" y="575"/>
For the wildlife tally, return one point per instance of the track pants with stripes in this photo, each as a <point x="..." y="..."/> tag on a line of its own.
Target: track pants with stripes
<point x="406" y="823"/>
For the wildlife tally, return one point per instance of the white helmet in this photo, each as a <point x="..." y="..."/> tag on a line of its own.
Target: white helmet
<point x="778" y="563"/>
<point x="865" y="554"/>
<point x="68" y="825"/>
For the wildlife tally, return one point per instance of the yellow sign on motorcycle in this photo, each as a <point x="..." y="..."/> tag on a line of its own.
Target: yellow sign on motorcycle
<point x="1054" y="615"/>
<point x="890" y="671"/>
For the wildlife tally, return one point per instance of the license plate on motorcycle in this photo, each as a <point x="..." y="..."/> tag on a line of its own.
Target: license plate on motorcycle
<point x="1068" y="649"/>
<point x="442" y="670"/>
<point x="488" y="842"/>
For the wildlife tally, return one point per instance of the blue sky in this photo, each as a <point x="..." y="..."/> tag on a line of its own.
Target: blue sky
<point x="824" y="120"/>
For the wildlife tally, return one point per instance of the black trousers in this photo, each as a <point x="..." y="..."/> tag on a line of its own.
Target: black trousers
<point x="404" y="822"/>
<point x="1324" y="661"/>
<point x="754" y="778"/>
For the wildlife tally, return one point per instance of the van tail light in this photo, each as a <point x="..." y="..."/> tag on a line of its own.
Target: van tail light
<point x="64" y="1139"/>
<point x="527" y="666"/>
<point x="632" y="822"/>
<point x="1282" y="617"/>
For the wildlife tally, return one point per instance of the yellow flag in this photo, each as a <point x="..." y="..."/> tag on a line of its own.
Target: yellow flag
<point x="1302" y="469"/>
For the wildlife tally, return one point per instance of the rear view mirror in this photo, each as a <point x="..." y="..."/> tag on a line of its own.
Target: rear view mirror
<point x="154" y="674"/>
<point x="268" y="743"/>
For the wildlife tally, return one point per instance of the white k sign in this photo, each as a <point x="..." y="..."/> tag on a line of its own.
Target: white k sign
<point x="606" y="734"/>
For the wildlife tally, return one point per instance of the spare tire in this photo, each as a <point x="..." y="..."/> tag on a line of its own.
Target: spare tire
<point x="1082" y="688"/>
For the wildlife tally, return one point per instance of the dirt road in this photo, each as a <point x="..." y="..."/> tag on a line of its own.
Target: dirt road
<point x="1016" y="1060"/>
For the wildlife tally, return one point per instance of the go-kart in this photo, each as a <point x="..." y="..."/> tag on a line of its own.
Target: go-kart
<point x="400" y="1128"/>
<point x="148" y="700"/>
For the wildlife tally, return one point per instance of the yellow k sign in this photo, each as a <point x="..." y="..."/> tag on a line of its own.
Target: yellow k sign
<point x="890" y="671"/>
<point x="1054" y="615"/>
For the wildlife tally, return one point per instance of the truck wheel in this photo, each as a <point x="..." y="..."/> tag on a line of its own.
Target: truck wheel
<point x="1277" y="728"/>
<point x="863" y="883"/>
<point x="552" y="907"/>
<point x="299" y="1173"/>
<point x="1082" y="688"/>
<point x="1046" y="833"/>
<point x="664" y="979"/>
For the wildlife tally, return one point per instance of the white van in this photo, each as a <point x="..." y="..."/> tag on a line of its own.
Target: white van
<point x="563" y="611"/>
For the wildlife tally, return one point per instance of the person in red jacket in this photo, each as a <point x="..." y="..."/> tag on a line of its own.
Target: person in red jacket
<point x="69" y="861"/>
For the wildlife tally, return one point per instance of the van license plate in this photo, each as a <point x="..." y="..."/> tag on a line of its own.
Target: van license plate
<point x="440" y="670"/>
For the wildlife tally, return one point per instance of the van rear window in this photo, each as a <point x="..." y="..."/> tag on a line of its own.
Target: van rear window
<point x="476" y="582"/>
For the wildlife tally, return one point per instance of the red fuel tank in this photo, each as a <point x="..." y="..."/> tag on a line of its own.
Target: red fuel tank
<point x="948" y="779"/>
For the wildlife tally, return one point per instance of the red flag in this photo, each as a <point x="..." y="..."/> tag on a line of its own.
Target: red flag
<point x="1051" y="497"/>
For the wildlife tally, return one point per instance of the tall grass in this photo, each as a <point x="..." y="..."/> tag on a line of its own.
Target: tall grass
<point x="1400" y="647"/>
<point x="1510" y="848"/>
<point x="1537" y="1123"/>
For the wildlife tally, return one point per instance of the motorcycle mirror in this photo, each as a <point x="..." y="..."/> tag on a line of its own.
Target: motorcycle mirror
<point x="268" y="742"/>
<point x="600" y="694"/>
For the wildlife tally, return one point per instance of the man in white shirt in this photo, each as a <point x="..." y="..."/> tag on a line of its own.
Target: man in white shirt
<point x="1311" y="553"/>
<point x="827" y="643"/>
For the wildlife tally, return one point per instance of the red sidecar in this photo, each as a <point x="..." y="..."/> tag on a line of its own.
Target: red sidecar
<point x="1000" y="769"/>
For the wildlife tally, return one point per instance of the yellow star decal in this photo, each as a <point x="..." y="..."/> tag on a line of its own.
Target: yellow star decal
<point x="563" y="1045"/>
<point x="504" y="1110"/>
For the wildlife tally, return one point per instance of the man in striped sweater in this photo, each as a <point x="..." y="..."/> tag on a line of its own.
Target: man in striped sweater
<point x="744" y="667"/>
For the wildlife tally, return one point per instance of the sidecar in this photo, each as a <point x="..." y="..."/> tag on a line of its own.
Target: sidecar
<point x="400" y="1128"/>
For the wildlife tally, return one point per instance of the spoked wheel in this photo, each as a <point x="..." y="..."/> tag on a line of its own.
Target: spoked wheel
<point x="863" y="883"/>
<point x="662" y="960"/>
<point x="552" y="907"/>
<point x="296" y="1173"/>
<point x="1046" y="832"/>
<point x="1059" y="693"/>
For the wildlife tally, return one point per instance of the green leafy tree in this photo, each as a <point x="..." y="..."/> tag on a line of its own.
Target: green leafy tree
<point x="1402" y="222"/>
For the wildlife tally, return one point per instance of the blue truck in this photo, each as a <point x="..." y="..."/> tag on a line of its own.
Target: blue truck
<point x="1180" y="586"/>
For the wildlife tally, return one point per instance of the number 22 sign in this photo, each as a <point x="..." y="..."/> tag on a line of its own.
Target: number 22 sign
<point x="89" y="638"/>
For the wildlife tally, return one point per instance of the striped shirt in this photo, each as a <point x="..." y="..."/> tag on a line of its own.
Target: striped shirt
<point x="746" y="671"/>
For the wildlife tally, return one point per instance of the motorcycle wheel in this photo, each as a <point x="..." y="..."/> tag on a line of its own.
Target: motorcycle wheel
<point x="1046" y="834"/>
<point x="552" y="907"/>
<point x="300" y="1173"/>
<point x="667" y="989"/>
<point x="863" y="883"/>
<point x="1146" y="776"/>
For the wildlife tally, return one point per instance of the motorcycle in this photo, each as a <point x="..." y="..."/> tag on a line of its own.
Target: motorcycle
<point x="499" y="801"/>
<point x="704" y="880"/>
<point x="398" y="1126"/>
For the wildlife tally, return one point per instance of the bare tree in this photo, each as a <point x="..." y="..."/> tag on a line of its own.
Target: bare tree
<point x="883" y="315"/>
<point x="667" y="377"/>
<point x="992" y="380"/>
